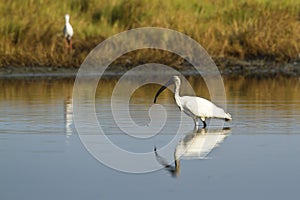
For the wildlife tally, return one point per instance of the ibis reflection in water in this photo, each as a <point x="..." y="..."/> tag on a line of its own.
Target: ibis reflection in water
<point x="195" y="145"/>
<point x="68" y="115"/>
<point x="196" y="107"/>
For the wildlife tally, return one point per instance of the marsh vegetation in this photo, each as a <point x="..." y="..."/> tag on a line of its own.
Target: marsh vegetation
<point x="31" y="30"/>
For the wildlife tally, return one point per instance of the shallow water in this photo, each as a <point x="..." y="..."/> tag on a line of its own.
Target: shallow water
<point x="256" y="157"/>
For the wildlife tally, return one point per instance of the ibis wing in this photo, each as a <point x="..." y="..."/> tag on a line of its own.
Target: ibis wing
<point x="69" y="30"/>
<point x="196" y="106"/>
<point x="201" y="107"/>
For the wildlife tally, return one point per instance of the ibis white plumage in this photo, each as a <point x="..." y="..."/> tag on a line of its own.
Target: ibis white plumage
<point x="68" y="32"/>
<point x="196" y="107"/>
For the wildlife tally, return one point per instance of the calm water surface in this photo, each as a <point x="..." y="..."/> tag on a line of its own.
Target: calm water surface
<point x="42" y="156"/>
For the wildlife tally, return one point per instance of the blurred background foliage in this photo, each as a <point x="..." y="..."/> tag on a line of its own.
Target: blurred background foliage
<point x="31" y="30"/>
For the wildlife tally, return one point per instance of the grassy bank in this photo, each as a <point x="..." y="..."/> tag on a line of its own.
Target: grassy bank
<point x="31" y="30"/>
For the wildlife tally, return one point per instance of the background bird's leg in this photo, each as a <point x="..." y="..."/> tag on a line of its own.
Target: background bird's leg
<point x="70" y="44"/>
<point x="66" y="43"/>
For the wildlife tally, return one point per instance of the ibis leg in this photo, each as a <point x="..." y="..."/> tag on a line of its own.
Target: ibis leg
<point x="195" y="121"/>
<point x="70" y="43"/>
<point x="204" y="124"/>
<point x="66" y="43"/>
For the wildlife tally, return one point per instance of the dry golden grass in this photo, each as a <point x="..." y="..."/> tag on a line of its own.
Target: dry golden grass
<point x="31" y="30"/>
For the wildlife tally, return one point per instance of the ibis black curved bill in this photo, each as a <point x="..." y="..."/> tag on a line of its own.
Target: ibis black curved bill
<point x="159" y="91"/>
<point x="162" y="89"/>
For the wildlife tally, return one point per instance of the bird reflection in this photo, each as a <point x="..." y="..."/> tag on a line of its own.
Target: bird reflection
<point x="195" y="145"/>
<point x="68" y="115"/>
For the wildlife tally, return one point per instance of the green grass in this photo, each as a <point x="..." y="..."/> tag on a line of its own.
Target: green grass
<point x="31" y="30"/>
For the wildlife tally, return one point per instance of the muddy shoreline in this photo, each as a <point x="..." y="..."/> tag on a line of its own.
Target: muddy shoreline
<point x="228" y="68"/>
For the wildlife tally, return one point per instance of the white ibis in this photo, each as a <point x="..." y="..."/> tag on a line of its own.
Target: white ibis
<point x="68" y="32"/>
<point x="196" y="107"/>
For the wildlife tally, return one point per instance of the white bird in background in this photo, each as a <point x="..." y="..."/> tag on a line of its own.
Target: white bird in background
<point x="68" y="32"/>
<point x="196" y="107"/>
